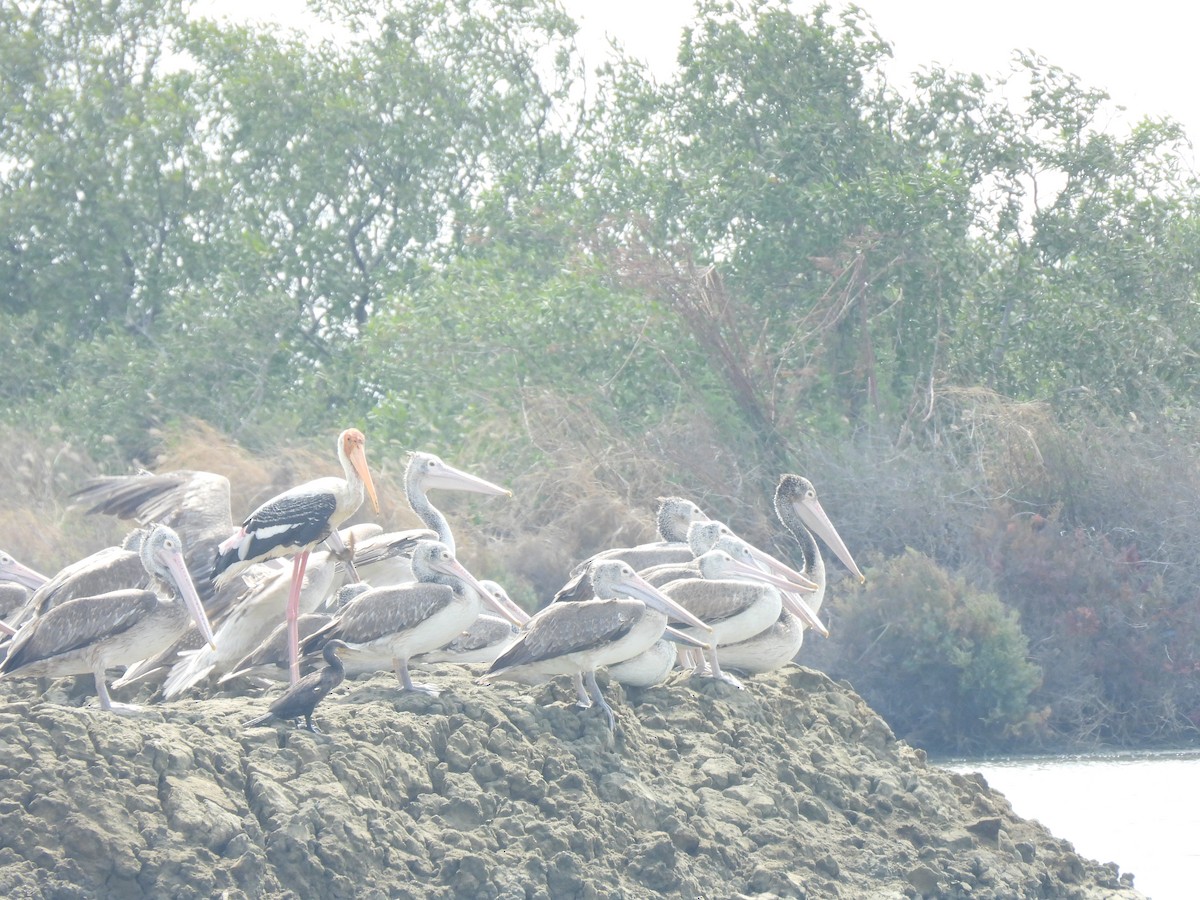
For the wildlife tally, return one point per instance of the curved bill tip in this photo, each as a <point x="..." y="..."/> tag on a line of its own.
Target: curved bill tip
<point x="359" y="461"/>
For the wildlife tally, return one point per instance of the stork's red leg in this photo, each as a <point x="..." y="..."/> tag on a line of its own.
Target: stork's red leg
<point x="299" y="564"/>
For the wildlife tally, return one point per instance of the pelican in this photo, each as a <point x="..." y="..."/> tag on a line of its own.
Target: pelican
<point x="296" y="521"/>
<point x="427" y="472"/>
<point x="11" y="570"/>
<point x="13" y="598"/>
<point x="303" y="696"/>
<point x="795" y="504"/>
<point x="92" y="634"/>
<point x="386" y="626"/>
<point x="648" y="668"/>
<point x="269" y="660"/>
<point x="735" y="600"/>
<point x="675" y="516"/>
<point x="195" y="504"/>
<point x="482" y="641"/>
<point x="577" y="638"/>
<point x="109" y="569"/>
<point x="16" y="582"/>
<point x="653" y="666"/>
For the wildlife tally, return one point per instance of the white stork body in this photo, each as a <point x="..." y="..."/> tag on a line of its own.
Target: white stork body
<point x="295" y="521"/>
<point x="252" y="618"/>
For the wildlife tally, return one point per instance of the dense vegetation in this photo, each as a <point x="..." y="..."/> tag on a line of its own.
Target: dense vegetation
<point x="973" y="321"/>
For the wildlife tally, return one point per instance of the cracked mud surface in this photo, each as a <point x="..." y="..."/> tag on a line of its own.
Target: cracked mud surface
<point x="791" y="788"/>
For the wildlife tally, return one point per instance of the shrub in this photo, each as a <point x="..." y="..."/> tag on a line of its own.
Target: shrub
<point x="944" y="663"/>
<point x="1118" y="648"/>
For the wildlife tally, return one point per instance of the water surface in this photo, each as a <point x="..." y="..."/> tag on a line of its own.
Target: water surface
<point x="1139" y="810"/>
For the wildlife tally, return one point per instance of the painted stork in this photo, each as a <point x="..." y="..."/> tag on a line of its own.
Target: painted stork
<point x="294" y="522"/>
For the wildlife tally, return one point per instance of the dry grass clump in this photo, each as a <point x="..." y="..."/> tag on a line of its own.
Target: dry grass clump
<point x="995" y="439"/>
<point x="37" y="525"/>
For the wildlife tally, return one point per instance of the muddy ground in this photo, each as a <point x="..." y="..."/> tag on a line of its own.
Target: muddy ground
<point x="790" y="788"/>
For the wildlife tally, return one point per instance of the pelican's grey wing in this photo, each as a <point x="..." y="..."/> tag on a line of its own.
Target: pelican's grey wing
<point x="77" y="623"/>
<point x="667" y="572"/>
<point x="712" y="601"/>
<point x="194" y="504"/>
<point x="110" y="569"/>
<point x="564" y="628"/>
<point x="389" y="610"/>
<point x="579" y="587"/>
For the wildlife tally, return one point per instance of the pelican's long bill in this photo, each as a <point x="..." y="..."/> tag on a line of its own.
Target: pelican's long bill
<point x="796" y="606"/>
<point x="788" y="587"/>
<point x="354" y="446"/>
<point x="813" y="516"/>
<point x="447" y="478"/>
<point x="676" y="636"/>
<point x="633" y="585"/>
<point x="502" y="605"/>
<point x="798" y="581"/>
<point x="187" y="590"/>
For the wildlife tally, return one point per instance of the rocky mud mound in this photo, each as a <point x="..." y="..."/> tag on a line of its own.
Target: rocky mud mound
<point x="791" y="788"/>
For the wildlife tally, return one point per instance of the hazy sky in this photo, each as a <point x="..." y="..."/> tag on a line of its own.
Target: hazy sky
<point x="1142" y="57"/>
<point x="1141" y="54"/>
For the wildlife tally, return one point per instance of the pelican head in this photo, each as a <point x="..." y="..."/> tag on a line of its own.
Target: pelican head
<point x="675" y="516"/>
<point x="702" y="535"/>
<point x="435" y="557"/>
<point x="427" y="471"/>
<point x="346" y="593"/>
<point x="799" y="493"/>
<point x="162" y="555"/>
<point x="719" y="564"/>
<point x="11" y="570"/>
<point x="352" y="451"/>
<point x="613" y="578"/>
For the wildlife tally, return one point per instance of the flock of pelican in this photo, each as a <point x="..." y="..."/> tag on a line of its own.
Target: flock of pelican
<point x="192" y="598"/>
